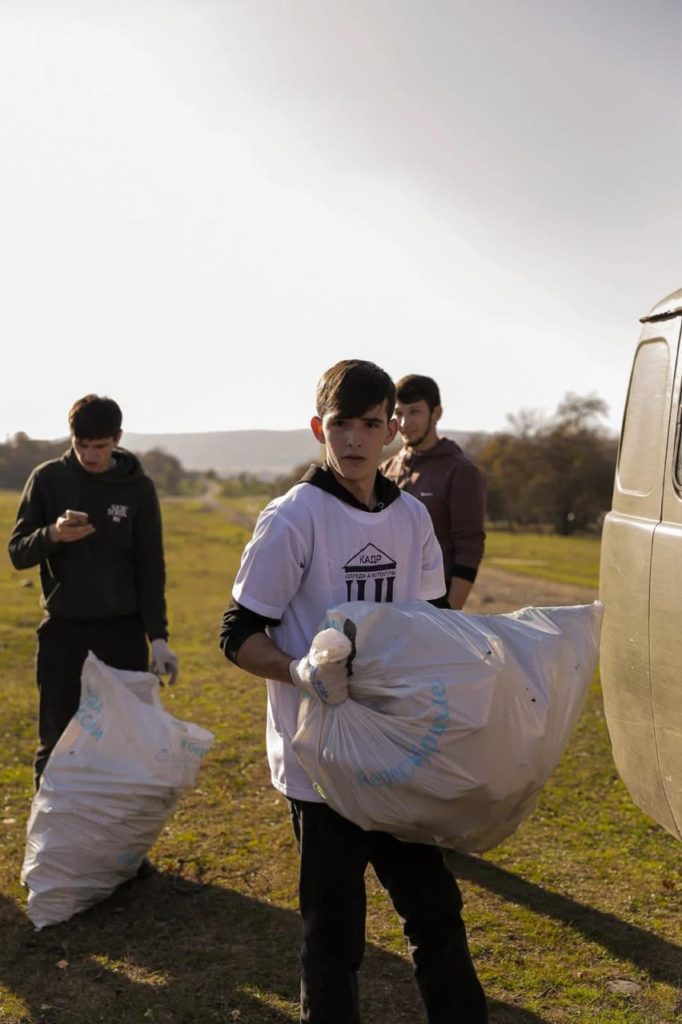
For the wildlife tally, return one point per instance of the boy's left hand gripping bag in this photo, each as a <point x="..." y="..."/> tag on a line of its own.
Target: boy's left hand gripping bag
<point x="108" y="788"/>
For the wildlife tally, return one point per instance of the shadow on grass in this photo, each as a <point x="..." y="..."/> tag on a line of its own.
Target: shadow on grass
<point x="662" y="960"/>
<point x="168" y="951"/>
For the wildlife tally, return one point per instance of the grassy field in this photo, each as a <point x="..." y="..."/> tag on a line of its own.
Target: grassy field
<point x="563" y="559"/>
<point x="577" y="918"/>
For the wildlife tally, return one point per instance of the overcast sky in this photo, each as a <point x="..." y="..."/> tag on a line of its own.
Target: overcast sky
<point x="205" y="204"/>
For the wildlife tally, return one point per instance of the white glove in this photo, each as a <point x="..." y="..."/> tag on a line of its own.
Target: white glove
<point x="323" y="673"/>
<point x="164" y="662"/>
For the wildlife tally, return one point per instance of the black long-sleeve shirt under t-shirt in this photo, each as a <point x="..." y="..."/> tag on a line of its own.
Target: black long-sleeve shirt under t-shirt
<point x="117" y="570"/>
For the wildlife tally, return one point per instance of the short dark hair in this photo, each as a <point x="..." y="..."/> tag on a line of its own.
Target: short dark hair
<point x="94" y="418"/>
<point x="417" y="388"/>
<point x="353" y="386"/>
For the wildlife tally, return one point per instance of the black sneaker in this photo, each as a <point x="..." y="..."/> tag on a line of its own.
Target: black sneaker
<point x="146" y="868"/>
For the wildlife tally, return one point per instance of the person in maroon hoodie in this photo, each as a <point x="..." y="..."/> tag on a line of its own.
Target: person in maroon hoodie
<point x="436" y="470"/>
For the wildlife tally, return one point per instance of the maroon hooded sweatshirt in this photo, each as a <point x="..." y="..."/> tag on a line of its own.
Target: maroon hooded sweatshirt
<point x="453" y="490"/>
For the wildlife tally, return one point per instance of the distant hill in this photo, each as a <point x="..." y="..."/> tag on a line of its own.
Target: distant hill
<point x="265" y="453"/>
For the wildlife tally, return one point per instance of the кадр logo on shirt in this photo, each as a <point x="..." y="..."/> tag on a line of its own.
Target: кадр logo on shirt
<point x="370" y="575"/>
<point x="118" y="512"/>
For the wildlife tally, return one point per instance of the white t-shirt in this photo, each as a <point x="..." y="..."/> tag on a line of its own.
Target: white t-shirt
<point x="310" y="551"/>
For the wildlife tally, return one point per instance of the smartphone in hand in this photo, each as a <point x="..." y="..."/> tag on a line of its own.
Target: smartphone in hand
<point x="76" y="518"/>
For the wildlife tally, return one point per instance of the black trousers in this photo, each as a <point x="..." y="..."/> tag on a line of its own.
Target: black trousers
<point x="63" y="646"/>
<point x="334" y="855"/>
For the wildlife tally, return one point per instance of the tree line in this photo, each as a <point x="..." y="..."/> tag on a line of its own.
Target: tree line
<point x="21" y="454"/>
<point x="554" y="472"/>
<point x="551" y="473"/>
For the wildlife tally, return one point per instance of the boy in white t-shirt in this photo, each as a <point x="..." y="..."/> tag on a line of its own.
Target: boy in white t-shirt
<point x="346" y="533"/>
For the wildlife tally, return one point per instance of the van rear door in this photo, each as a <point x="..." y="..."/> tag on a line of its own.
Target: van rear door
<point x="665" y="617"/>
<point x="626" y="564"/>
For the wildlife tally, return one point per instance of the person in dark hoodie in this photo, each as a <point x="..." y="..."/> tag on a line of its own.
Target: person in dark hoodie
<point x="346" y="533"/>
<point x="436" y="470"/>
<point x="92" y="521"/>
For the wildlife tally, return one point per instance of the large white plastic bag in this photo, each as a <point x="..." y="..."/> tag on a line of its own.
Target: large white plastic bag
<point x="456" y="720"/>
<point x="108" y="788"/>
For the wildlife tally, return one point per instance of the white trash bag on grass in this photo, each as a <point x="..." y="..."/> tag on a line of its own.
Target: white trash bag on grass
<point x="455" y="721"/>
<point x="108" y="788"/>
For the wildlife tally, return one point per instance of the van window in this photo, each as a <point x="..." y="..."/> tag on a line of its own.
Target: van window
<point x="678" y="441"/>
<point x="645" y="416"/>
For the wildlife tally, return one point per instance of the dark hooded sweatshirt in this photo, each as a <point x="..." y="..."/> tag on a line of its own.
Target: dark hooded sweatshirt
<point x="117" y="570"/>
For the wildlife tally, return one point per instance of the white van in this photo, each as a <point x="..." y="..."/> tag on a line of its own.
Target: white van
<point x="641" y="576"/>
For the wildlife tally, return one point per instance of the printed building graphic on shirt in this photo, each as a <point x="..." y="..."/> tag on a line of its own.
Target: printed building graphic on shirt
<point x="370" y="575"/>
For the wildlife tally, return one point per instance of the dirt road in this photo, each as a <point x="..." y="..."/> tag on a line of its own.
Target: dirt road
<point x="498" y="591"/>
